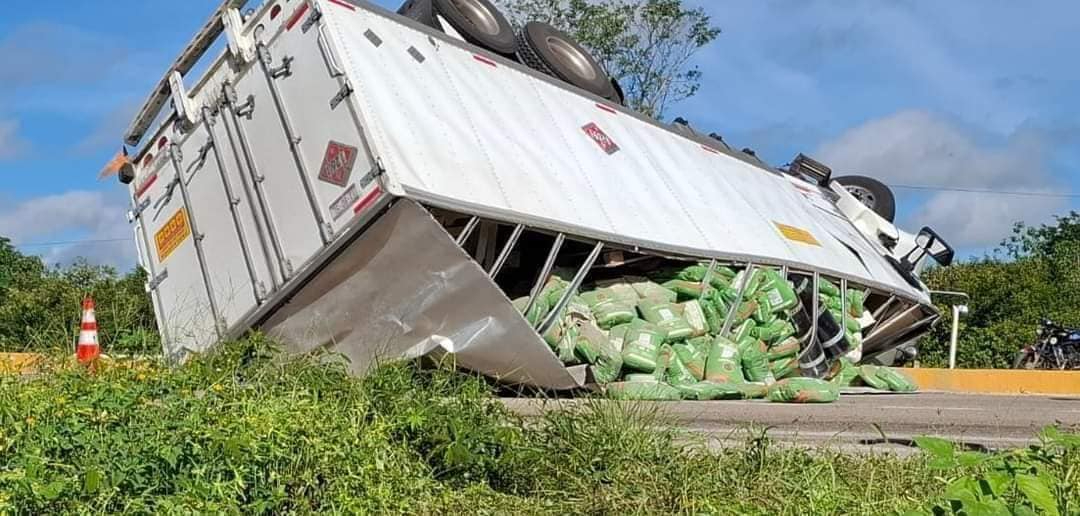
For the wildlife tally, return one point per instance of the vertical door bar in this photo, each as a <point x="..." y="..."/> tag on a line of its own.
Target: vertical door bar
<point x="233" y="201"/>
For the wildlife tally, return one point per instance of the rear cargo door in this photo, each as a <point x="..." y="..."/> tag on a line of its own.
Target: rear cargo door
<point x="314" y="169"/>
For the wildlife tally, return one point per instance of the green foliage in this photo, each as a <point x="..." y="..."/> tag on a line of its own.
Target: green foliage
<point x="245" y="430"/>
<point x="40" y="305"/>
<point x="645" y="44"/>
<point x="1035" y="273"/>
<point x="1041" y="479"/>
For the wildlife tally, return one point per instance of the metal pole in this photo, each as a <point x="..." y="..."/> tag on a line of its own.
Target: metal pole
<point x="498" y="265"/>
<point x="729" y="319"/>
<point x="197" y="236"/>
<point x="545" y="271"/>
<point x="953" y="337"/>
<point x="233" y="200"/>
<point x="571" y="289"/>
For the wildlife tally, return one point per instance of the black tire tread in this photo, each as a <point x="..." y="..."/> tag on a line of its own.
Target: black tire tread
<point x="886" y="200"/>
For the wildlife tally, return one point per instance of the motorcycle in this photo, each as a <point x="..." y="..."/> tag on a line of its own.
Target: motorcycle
<point x="1056" y="347"/>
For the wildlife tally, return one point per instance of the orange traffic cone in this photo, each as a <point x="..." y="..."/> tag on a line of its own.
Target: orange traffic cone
<point x="88" y="349"/>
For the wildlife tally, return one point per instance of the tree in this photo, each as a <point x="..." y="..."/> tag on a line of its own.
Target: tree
<point x="645" y="44"/>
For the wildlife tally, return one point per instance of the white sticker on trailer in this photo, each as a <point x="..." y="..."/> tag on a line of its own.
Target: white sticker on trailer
<point x="342" y="204"/>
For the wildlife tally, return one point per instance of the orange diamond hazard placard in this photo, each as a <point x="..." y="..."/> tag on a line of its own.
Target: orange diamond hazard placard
<point x="338" y="163"/>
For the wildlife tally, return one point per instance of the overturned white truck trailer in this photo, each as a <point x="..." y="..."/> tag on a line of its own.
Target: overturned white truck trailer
<point x="341" y="176"/>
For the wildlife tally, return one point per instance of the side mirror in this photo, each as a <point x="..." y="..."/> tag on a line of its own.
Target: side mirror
<point x="938" y="249"/>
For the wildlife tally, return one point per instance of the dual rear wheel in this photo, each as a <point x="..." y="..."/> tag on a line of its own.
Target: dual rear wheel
<point x="537" y="45"/>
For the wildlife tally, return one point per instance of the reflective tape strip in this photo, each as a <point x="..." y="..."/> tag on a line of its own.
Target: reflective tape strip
<point x="295" y="18"/>
<point x="368" y="199"/>
<point x="609" y="109"/>
<point x="485" y="60"/>
<point x="343" y="4"/>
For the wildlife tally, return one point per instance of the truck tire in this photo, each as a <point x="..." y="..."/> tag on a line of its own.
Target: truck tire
<point x="552" y="51"/>
<point x="873" y="193"/>
<point x="480" y="23"/>
<point x="422" y="11"/>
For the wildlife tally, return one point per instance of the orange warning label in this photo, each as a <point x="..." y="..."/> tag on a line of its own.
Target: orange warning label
<point x="172" y="234"/>
<point x="797" y="234"/>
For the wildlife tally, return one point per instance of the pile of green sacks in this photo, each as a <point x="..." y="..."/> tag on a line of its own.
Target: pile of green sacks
<point x="658" y="338"/>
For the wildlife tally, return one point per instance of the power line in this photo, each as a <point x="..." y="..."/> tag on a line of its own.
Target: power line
<point x="73" y="242"/>
<point x="985" y="191"/>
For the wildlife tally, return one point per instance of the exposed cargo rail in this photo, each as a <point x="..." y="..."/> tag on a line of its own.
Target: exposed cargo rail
<point x="346" y="177"/>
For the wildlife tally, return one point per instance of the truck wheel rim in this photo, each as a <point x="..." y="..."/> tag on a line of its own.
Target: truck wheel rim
<point x="571" y="57"/>
<point x="479" y="15"/>
<point x="863" y="195"/>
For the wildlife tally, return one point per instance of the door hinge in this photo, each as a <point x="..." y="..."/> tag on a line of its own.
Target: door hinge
<point x="345" y="91"/>
<point x="312" y="19"/>
<point x="155" y="282"/>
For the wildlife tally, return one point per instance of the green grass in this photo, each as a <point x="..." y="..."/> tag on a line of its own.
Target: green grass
<point x="248" y="431"/>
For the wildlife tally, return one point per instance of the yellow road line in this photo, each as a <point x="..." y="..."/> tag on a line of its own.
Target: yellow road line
<point x="997" y="381"/>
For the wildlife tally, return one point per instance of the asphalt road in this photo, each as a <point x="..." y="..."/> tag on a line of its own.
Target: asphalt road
<point x="873" y="422"/>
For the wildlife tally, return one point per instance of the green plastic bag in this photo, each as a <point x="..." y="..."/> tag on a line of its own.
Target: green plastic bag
<point x="621" y="291"/>
<point x="617" y="336"/>
<point x="856" y="298"/>
<point x="788" y="347"/>
<point x="711" y="391"/>
<point x="777" y="291"/>
<point x="678" y="372"/>
<point x="666" y="316"/>
<point x="642" y="391"/>
<point x="553" y="290"/>
<point x="685" y="290"/>
<point x="714" y="319"/>
<point x="743" y="330"/>
<point x="753" y="282"/>
<point x="536" y="313"/>
<point x="755" y="361"/>
<point x="869" y="376"/>
<point x="754" y="390"/>
<point x="640" y="377"/>
<point x="746" y="310"/>
<point x="693" y="359"/>
<point x="804" y="390"/>
<point x="721" y="277"/>
<point x="897" y="381"/>
<point x="775" y="331"/>
<point x="567" y="346"/>
<point x="784" y="367"/>
<point x="652" y="291"/>
<point x="694" y="315"/>
<point x="612" y="313"/>
<point x="608" y="310"/>
<point x="641" y="345"/>
<point x="663" y="362"/>
<point x="828" y="288"/>
<point x="846" y="373"/>
<point x="595" y="348"/>
<point x="724" y="364"/>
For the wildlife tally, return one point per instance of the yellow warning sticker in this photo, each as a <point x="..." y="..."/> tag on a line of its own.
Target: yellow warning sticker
<point x="172" y="234"/>
<point x="797" y="234"/>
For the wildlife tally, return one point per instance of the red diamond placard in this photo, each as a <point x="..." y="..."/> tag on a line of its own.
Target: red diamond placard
<point x="601" y="138"/>
<point x="337" y="163"/>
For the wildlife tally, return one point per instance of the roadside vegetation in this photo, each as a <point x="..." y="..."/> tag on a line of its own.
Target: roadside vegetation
<point x="1034" y="273"/>
<point x="245" y="430"/>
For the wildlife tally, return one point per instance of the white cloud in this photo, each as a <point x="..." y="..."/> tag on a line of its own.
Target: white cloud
<point x="918" y="148"/>
<point x="74" y="215"/>
<point x="11" y="144"/>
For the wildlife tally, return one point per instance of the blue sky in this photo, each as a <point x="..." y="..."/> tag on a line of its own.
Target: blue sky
<point x="960" y="94"/>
